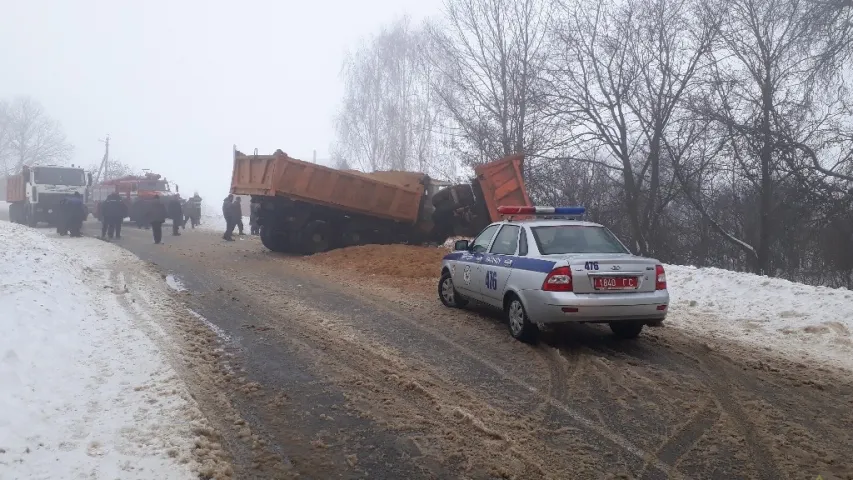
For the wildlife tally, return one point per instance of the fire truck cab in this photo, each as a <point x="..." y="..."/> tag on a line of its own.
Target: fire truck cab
<point x="137" y="191"/>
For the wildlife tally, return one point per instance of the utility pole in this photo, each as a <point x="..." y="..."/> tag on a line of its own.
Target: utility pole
<point x="105" y="163"/>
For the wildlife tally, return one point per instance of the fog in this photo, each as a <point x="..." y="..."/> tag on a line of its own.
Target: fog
<point x="177" y="84"/>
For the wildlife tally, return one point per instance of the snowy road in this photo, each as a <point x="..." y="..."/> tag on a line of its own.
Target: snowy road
<point x="326" y="372"/>
<point x="85" y="389"/>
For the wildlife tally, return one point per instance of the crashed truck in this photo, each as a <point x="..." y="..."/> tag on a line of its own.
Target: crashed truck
<point x="34" y="195"/>
<point x="308" y="208"/>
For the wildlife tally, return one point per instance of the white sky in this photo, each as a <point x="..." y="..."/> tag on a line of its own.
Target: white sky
<point x="177" y="83"/>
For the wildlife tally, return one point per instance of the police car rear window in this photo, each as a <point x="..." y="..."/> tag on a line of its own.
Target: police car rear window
<point x="558" y="239"/>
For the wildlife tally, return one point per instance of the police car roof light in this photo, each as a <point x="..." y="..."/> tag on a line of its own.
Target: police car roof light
<point x="508" y="210"/>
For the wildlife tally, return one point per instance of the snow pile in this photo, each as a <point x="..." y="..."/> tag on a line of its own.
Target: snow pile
<point x="83" y="392"/>
<point x="800" y="320"/>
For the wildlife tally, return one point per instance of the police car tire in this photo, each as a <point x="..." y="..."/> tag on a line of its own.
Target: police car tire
<point x="529" y="332"/>
<point x="626" y="329"/>
<point x="458" y="300"/>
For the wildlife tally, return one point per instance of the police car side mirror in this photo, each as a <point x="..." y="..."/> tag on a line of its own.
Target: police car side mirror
<point x="460" y="245"/>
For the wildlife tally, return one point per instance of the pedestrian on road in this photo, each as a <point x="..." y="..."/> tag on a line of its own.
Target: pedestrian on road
<point x="112" y="214"/>
<point x="176" y="213"/>
<point x="76" y="214"/>
<point x="228" y="213"/>
<point x="157" y="215"/>
<point x="194" y="204"/>
<point x="238" y="214"/>
<point x="254" y="209"/>
<point x="62" y="217"/>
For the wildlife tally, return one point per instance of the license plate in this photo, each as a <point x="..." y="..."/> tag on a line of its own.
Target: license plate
<point x="615" y="283"/>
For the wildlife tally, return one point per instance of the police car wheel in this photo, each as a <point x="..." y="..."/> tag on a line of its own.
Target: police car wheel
<point x="448" y="294"/>
<point x="520" y="326"/>
<point x="626" y="329"/>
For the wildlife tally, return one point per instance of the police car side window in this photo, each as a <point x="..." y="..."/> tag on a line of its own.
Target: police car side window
<point x="522" y="243"/>
<point x="507" y="240"/>
<point x="481" y="243"/>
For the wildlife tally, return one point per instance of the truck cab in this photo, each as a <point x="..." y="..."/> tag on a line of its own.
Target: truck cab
<point x="34" y="195"/>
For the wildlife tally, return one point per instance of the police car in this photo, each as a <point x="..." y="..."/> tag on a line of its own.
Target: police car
<point x="554" y="268"/>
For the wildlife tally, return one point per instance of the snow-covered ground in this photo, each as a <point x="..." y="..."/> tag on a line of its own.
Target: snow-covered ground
<point x="84" y="391"/>
<point x="796" y="320"/>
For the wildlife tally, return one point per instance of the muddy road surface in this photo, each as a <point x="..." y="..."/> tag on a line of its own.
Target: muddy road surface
<point x="328" y="372"/>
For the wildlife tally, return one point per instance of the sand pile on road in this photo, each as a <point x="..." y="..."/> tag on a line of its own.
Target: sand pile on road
<point x="407" y="261"/>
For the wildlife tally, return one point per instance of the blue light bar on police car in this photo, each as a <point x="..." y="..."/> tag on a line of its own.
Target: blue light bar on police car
<point x="506" y="210"/>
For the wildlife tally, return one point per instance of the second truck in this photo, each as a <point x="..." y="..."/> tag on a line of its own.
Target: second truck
<point x="307" y="208"/>
<point x="34" y="193"/>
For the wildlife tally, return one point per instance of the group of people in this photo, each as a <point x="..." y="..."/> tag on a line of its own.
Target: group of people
<point x="71" y="215"/>
<point x="114" y="211"/>
<point x="232" y="210"/>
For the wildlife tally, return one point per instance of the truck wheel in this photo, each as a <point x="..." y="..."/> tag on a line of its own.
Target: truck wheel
<point x="316" y="237"/>
<point x="273" y="240"/>
<point x="352" y="236"/>
<point x="32" y="220"/>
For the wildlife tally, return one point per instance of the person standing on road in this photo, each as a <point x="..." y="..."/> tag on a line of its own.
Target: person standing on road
<point x="228" y="213"/>
<point x="238" y="214"/>
<point x="176" y="213"/>
<point x="254" y="209"/>
<point x="156" y="216"/>
<point x="195" y="210"/>
<point x="76" y="214"/>
<point x="62" y="217"/>
<point x="111" y="216"/>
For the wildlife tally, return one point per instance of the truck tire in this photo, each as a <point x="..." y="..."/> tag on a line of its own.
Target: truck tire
<point x="273" y="240"/>
<point x="316" y="237"/>
<point x="32" y="220"/>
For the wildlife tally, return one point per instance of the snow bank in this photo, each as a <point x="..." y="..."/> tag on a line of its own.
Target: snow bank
<point x="796" y="319"/>
<point x="83" y="392"/>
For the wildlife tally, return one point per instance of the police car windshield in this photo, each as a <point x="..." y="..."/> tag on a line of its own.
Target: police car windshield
<point x="559" y="239"/>
<point x="59" y="176"/>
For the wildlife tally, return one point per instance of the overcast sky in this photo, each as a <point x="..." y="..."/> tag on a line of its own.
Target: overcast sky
<point x="177" y="83"/>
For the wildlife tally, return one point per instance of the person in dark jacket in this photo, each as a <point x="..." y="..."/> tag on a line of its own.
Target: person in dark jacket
<point x="113" y="211"/>
<point x="75" y="214"/>
<point x="156" y="216"/>
<point x="228" y="213"/>
<point x="254" y="209"/>
<point x="176" y="213"/>
<point x="62" y="217"/>
<point x="193" y="211"/>
<point x="238" y="214"/>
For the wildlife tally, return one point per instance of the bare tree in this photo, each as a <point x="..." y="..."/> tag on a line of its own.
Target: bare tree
<point x="774" y="101"/>
<point x="33" y="138"/>
<point x="618" y="86"/>
<point x="389" y="118"/>
<point x="491" y="54"/>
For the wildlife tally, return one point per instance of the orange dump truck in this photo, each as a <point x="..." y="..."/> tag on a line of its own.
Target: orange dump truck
<point x="307" y="208"/>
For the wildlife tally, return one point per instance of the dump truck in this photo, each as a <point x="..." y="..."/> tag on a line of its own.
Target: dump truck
<point x="34" y="194"/>
<point x="308" y="208"/>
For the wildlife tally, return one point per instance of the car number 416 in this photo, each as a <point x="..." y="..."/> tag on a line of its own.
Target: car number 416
<point x="491" y="279"/>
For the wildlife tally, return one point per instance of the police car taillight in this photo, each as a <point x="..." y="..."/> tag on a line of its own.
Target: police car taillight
<point x="559" y="280"/>
<point x="660" y="278"/>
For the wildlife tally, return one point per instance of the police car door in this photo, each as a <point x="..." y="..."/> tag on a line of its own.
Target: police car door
<point x="497" y="265"/>
<point x="469" y="270"/>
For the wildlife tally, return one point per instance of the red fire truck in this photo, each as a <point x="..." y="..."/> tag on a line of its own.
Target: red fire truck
<point x="137" y="191"/>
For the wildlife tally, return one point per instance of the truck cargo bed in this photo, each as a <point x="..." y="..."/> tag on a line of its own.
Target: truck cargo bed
<point x="502" y="183"/>
<point x="389" y="195"/>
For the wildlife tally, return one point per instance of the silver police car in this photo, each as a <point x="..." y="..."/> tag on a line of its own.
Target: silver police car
<point x="552" y="270"/>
